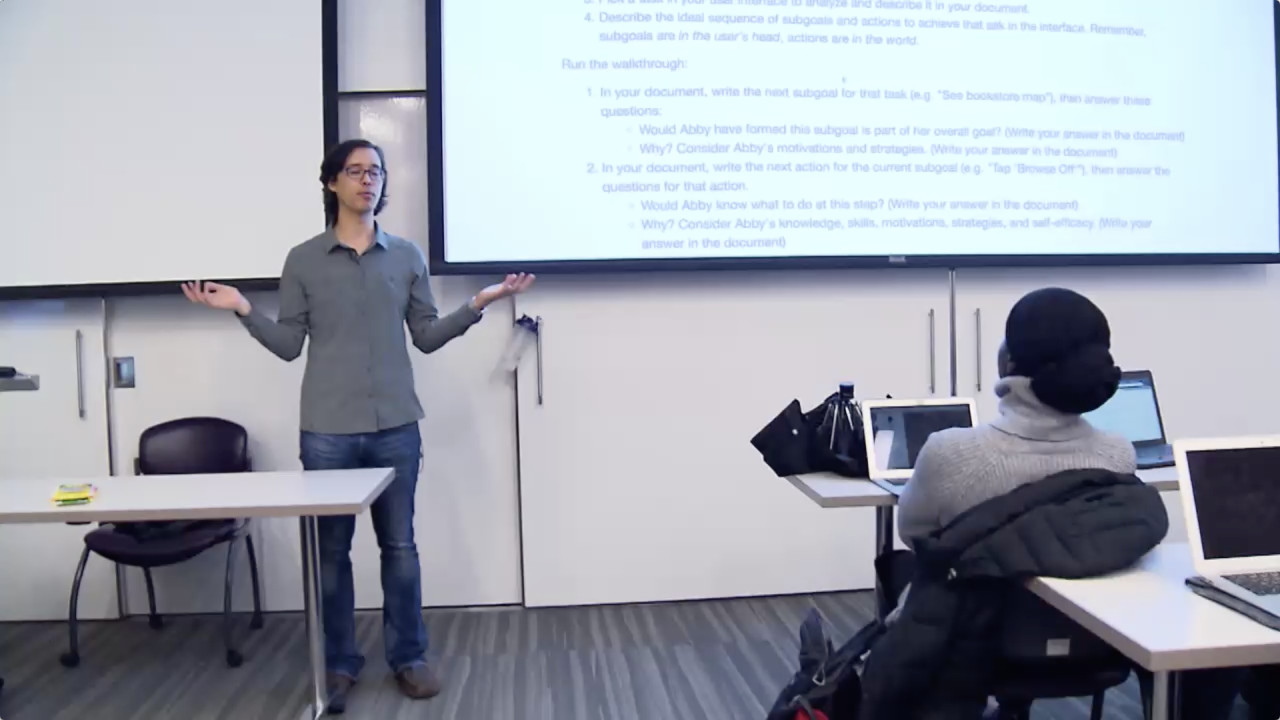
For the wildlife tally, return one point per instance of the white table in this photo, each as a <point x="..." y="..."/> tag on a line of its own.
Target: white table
<point x="1164" y="479"/>
<point x="1150" y="615"/>
<point x="20" y="383"/>
<point x="305" y="495"/>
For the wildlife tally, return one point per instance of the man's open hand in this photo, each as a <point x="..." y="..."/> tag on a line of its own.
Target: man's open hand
<point x="511" y="285"/>
<point x="217" y="296"/>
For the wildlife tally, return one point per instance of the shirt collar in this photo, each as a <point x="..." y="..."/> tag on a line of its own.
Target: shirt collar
<point x="332" y="243"/>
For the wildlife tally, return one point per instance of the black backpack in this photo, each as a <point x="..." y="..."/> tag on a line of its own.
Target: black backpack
<point x="827" y="681"/>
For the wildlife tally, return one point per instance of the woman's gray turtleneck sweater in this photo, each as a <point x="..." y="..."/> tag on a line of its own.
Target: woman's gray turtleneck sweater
<point x="963" y="467"/>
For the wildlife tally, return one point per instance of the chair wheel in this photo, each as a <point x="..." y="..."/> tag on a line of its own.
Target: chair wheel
<point x="234" y="659"/>
<point x="70" y="660"/>
<point x="156" y="622"/>
<point x="256" y="623"/>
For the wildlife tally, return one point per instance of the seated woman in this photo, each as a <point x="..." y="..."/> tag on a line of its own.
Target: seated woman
<point x="1055" y="365"/>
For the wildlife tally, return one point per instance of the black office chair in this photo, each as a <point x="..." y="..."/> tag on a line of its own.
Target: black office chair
<point x="1260" y="692"/>
<point x="179" y="447"/>
<point x="1046" y="655"/>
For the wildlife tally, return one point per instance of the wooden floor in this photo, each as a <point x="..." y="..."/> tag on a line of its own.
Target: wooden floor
<point x="721" y="660"/>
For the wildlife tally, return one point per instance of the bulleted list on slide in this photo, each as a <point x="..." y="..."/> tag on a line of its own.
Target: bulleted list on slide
<point x="618" y="129"/>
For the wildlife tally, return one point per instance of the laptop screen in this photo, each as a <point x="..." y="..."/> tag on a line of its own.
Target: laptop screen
<point x="898" y="433"/>
<point x="1132" y="412"/>
<point x="1237" y="497"/>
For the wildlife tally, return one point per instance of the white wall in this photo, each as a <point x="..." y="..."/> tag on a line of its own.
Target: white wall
<point x="382" y="45"/>
<point x="638" y="479"/>
<point x="42" y="434"/>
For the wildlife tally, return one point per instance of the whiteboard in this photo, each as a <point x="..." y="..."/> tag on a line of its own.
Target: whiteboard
<point x="153" y="141"/>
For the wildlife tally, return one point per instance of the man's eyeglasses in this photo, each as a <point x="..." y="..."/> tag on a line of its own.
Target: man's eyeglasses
<point x="357" y="173"/>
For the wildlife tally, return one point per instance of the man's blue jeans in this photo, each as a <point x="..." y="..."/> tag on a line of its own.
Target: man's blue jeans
<point x="403" y="630"/>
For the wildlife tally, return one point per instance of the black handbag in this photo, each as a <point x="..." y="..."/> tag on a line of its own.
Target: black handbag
<point x="784" y="442"/>
<point x="828" y="438"/>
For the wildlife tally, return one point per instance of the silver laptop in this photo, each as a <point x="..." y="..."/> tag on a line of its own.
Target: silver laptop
<point x="1231" y="500"/>
<point x="897" y="429"/>
<point x="1134" y="413"/>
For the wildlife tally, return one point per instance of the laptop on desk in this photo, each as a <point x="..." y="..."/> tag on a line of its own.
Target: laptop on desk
<point x="1231" y="500"/>
<point x="895" y="431"/>
<point x="1134" y="413"/>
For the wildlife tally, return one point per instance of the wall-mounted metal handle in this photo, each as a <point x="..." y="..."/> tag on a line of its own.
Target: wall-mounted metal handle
<point x="538" y="353"/>
<point x="977" y="320"/>
<point x="80" y="373"/>
<point x="953" y="353"/>
<point x="933" y="356"/>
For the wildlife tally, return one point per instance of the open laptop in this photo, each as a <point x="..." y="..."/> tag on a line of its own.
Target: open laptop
<point x="1231" y="500"/>
<point x="897" y="429"/>
<point x="1134" y="413"/>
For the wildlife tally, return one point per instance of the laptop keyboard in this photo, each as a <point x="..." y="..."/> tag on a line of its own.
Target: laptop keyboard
<point x="1154" y="457"/>
<point x="1267" y="583"/>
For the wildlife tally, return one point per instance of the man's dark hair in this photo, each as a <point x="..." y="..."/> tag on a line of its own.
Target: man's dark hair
<point x="333" y="164"/>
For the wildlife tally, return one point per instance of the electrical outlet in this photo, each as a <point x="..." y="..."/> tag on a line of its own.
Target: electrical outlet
<point x="122" y="373"/>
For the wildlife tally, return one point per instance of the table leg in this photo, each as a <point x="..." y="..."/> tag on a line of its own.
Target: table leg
<point x="884" y="545"/>
<point x="1160" y="696"/>
<point x="312" y="604"/>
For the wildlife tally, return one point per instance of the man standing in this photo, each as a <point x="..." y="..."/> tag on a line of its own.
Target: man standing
<point x="352" y="289"/>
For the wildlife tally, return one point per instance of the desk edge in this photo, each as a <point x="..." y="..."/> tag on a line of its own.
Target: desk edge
<point x="884" y="499"/>
<point x="86" y="514"/>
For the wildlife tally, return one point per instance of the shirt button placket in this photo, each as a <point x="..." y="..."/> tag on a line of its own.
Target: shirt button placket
<point x="371" y="344"/>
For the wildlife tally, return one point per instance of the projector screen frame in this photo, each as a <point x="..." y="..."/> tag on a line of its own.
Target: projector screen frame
<point x="441" y="266"/>
<point x="138" y="289"/>
<point x="329" y="100"/>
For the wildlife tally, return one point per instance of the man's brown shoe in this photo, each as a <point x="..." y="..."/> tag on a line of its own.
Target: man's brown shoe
<point x="418" y="682"/>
